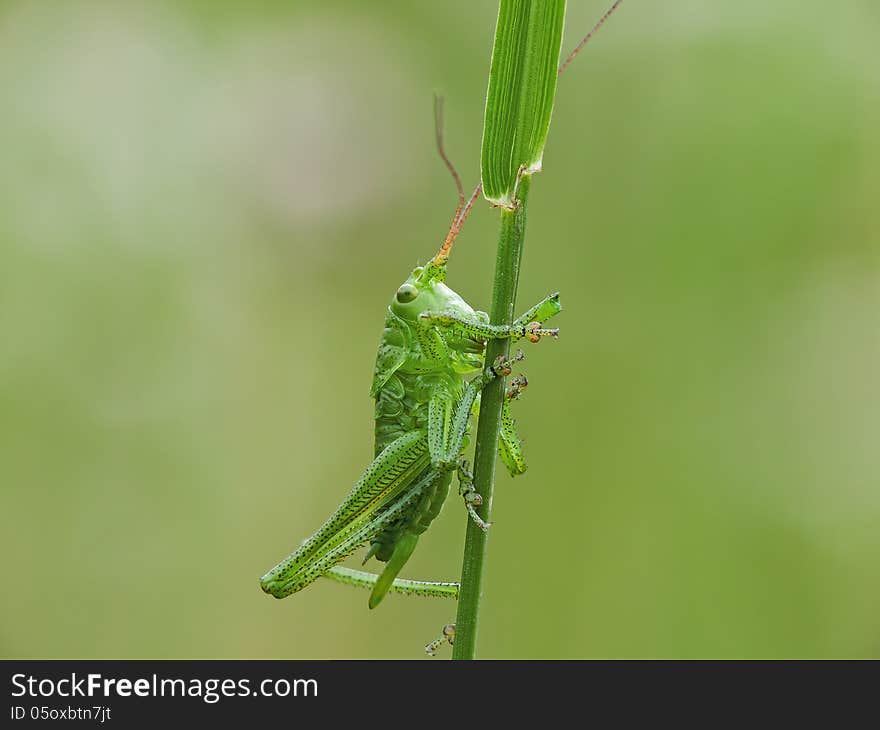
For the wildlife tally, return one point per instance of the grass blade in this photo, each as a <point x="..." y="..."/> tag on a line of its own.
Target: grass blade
<point x="519" y="101"/>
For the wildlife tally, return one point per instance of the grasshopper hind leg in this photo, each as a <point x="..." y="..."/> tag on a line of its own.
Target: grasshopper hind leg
<point x="396" y="543"/>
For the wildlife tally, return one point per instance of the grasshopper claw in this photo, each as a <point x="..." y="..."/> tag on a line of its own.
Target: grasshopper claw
<point x="502" y="366"/>
<point x="480" y="522"/>
<point x="533" y="332"/>
<point x="448" y="635"/>
<point x="517" y="386"/>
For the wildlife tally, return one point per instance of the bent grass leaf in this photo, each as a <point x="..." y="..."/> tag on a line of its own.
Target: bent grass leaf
<point x="519" y="101"/>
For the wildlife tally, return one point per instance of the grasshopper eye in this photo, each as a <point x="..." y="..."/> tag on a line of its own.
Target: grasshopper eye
<point x="407" y="293"/>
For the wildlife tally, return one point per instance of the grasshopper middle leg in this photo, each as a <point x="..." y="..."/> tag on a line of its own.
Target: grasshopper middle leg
<point x="446" y="434"/>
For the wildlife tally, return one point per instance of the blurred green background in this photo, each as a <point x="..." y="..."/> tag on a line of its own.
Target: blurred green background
<point x="206" y="207"/>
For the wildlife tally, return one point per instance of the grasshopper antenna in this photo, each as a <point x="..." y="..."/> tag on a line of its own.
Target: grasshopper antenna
<point x="464" y="207"/>
<point x="587" y="37"/>
<point x="438" y="133"/>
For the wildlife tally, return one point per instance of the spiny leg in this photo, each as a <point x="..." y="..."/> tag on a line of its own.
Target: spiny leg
<point x="453" y="433"/>
<point x="509" y="443"/>
<point x="448" y="635"/>
<point x="386" y="477"/>
<point x="446" y="432"/>
<point x="440" y="418"/>
<point x="531" y="330"/>
<point x="363" y="579"/>
<point x="472" y="498"/>
<point x="294" y="574"/>
<point x="528" y="325"/>
<point x="501" y="368"/>
<point x="432" y="344"/>
<point x="447" y="458"/>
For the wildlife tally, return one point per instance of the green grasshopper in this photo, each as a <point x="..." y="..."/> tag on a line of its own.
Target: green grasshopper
<point x="430" y="369"/>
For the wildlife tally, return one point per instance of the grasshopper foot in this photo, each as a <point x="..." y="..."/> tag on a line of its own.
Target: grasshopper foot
<point x="448" y="635"/>
<point x="472" y="498"/>
<point x="516" y="386"/>
<point x="533" y="332"/>
<point x="502" y="367"/>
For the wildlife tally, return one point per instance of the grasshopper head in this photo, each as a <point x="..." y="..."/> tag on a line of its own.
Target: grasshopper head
<point x="424" y="291"/>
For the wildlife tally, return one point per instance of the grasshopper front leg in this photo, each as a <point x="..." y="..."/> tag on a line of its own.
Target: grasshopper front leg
<point x="527" y="325"/>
